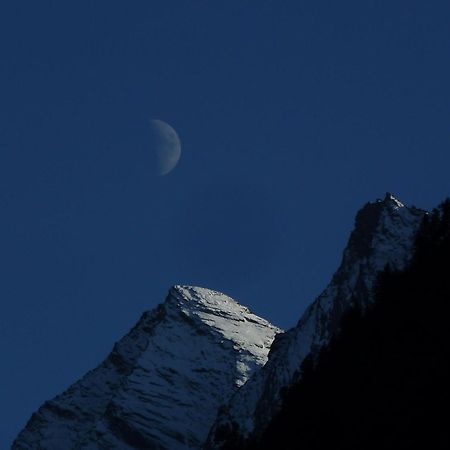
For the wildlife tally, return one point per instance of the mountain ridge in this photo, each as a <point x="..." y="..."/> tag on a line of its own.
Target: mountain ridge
<point x="382" y="381"/>
<point x="383" y="234"/>
<point x="201" y="355"/>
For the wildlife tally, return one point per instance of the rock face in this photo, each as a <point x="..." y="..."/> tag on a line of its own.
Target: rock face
<point x="384" y="233"/>
<point x="162" y="384"/>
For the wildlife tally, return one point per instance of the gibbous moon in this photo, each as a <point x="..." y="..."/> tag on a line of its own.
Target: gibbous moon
<point x="166" y="145"/>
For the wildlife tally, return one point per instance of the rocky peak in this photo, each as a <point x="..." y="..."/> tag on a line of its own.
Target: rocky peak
<point x="382" y="213"/>
<point x="163" y="383"/>
<point x="384" y="233"/>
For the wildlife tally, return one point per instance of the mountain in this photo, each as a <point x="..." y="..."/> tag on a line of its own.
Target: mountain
<point x="383" y="234"/>
<point x="162" y="384"/>
<point x="201" y="356"/>
<point x="382" y="382"/>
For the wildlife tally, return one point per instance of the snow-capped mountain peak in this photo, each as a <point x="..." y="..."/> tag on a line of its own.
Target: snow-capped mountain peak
<point x="234" y="322"/>
<point x="163" y="383"/>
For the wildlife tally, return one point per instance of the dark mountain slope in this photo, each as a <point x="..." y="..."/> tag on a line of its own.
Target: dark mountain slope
<point x="384" y="233"/>
<point x="382" y="383"/>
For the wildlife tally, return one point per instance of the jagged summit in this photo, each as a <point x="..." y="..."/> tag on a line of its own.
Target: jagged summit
<point x="384" y="233"/>
<point x="198" y="298"/>
<point x="163" y="383"/>
<point x="225" y="316"/>
<point x="384" y="227"/>
<point x="391" y="199"/>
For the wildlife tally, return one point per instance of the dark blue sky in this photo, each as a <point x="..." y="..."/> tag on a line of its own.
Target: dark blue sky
<point x="291" y="114"/>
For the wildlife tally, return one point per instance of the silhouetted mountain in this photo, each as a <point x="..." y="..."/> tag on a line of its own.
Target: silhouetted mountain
<point x="382" y="383"/>
<point x="384" y="233"/>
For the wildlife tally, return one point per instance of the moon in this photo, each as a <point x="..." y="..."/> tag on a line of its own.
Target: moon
<point x="166" y="145"/>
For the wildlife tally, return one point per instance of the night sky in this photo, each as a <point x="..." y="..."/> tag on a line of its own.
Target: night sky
<point x="291" y="115"/>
